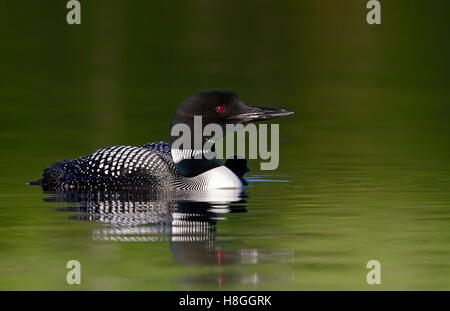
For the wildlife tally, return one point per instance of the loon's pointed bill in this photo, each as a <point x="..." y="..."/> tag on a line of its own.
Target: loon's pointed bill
<point x="256" y="113"/>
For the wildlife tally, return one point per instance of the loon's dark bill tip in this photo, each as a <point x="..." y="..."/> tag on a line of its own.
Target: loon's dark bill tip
<point x="268" y="110"/>
<point x="261" y="114"/>
<point x="282" y="113"/>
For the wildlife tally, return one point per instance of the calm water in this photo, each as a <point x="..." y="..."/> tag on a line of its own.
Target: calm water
<point x="365" y="162"/>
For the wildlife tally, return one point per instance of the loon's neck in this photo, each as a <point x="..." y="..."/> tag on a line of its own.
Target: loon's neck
<point x="191" y="162"/>
<point x="190" y="152"/>
<point x="205" y="174"/>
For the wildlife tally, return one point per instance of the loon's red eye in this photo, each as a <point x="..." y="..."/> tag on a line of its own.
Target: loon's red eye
<point x="219" y="108"/>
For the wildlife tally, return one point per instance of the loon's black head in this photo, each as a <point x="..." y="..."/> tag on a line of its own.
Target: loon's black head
<point x="222" y="107"/>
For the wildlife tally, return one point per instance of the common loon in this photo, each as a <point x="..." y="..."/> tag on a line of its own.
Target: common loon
<point x="160" y="165"/>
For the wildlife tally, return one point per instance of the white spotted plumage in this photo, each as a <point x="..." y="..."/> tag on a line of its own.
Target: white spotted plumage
<point x="124" y="167"/>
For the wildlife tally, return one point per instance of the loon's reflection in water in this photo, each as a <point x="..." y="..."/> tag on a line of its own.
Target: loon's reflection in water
<point x="186" y="221"/>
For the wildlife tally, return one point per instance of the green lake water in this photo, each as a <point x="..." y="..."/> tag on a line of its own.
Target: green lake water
<point x="364" y="168"/>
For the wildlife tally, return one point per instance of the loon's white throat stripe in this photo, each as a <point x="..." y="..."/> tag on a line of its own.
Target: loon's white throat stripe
<point x="183" y="154"/>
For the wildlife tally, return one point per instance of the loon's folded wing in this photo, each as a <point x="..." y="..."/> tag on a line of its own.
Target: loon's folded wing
<point x="112" y="167"/>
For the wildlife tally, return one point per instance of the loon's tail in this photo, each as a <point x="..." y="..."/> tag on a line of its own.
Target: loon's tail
<point x="51" y="176"/>
<point x="35" y="183"/>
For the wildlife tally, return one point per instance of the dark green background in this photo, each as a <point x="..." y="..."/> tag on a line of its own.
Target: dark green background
<point x="366" y="154"/>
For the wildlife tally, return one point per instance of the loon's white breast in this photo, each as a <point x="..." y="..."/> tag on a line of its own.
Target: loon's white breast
<point x="220" y="178"/>
<point x="214" y="179"/>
